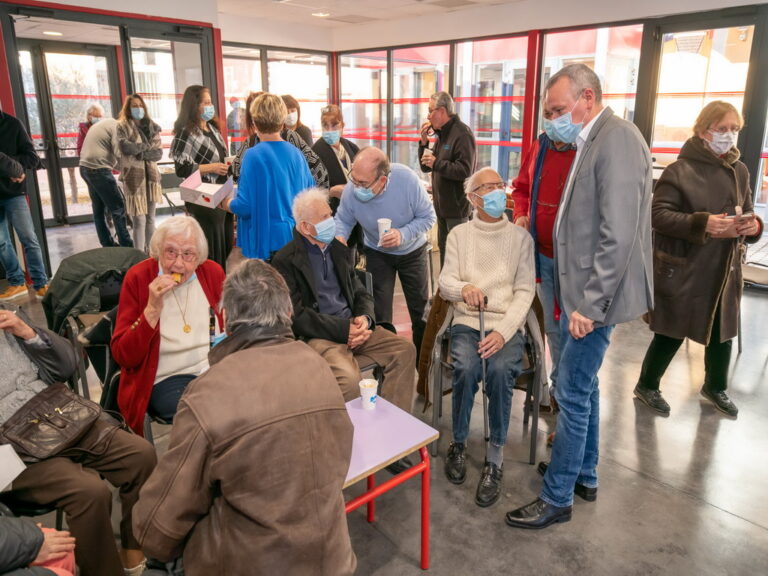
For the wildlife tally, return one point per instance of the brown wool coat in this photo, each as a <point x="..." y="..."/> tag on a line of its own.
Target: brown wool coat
<point x="692" y="271"/>
<point x="252" y="480"/>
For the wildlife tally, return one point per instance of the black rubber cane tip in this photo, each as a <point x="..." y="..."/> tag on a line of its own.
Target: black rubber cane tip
<point x="485" y="300"/>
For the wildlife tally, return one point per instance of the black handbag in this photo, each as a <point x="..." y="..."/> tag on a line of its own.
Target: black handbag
<point x="50" y="422"/>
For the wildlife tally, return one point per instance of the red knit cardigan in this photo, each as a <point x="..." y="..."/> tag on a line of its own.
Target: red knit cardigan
<point x="136" y="345"/>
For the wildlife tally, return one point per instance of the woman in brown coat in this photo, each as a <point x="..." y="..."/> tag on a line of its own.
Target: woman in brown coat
<point x="701" y="216"/>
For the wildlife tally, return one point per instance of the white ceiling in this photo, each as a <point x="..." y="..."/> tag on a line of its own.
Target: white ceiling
<point x="345" y="12"/>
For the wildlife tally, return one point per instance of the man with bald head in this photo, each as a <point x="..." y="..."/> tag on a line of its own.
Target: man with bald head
<point x="378" y="189"/>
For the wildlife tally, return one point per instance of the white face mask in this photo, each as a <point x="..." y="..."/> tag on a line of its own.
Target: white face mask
<point x="722" y="141"/>
<point x="292" y="118"/>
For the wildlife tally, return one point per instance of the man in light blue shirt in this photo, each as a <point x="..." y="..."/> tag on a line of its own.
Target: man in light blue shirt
<point x="378" y="189"/>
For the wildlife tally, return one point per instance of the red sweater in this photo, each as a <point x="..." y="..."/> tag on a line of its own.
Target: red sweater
<point x="136" y="345"/>
<point x="554" y="175"/>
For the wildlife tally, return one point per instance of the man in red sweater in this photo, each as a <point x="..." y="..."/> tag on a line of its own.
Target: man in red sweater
<point x="536" y="193"/>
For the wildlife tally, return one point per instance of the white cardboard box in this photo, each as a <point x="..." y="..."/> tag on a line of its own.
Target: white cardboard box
<point x="194" y="190"/>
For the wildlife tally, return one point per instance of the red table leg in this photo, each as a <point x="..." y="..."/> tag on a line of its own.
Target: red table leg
<point x="425" y="510"/>
<point x="371" y="503"/>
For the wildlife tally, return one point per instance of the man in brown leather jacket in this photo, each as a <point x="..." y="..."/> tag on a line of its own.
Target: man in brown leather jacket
<point x="260" y="448"/>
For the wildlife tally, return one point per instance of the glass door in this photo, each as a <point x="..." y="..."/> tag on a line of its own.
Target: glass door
<point x="61" y="81"/>
<point x="696" y="68"/>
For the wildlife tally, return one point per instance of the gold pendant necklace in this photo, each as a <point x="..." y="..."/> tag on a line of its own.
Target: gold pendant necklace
<point x="187" y="328"/>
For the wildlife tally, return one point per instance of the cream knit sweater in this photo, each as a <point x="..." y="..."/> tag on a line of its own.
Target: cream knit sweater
<point x="496" y="257"/>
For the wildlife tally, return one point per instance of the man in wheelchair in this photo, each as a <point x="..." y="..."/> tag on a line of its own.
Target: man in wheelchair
<point x="489" y="268"/>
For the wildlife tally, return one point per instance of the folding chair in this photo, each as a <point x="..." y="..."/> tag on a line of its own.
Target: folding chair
<point x="531" y="379"/>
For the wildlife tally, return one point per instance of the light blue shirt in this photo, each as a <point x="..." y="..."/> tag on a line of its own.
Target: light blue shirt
<point x="404" y="200"/>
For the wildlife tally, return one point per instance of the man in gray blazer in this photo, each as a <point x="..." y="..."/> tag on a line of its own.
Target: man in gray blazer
<point x="603" y="266"/>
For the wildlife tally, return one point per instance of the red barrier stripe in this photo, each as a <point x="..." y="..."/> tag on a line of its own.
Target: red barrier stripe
<point x="74" y="96"/>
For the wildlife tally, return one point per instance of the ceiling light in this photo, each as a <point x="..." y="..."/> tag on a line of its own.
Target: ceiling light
<point x="321" y="14"/>
<point x="52" y="33"/>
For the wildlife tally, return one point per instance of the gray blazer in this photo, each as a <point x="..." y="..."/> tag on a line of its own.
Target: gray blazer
<point x="602" y="237"/>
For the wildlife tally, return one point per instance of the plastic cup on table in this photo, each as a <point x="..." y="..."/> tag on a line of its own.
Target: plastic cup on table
<point x="368" y="389"/>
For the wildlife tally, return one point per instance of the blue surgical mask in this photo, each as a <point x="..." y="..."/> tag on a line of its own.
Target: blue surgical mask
<point x="137" y="112"/>
<point x="236" y="104"/>
<point x="563" y="129"/>
<point x="208" y="113"/>
<point x="95" y="119"/>
<point x="332" y="137"/>
<point x="364" y="194"/>
<point x="218" y="339"/>
<point x="494" y="203"/>
<point x="550" y="130"/>
<point x="325" y="230"/>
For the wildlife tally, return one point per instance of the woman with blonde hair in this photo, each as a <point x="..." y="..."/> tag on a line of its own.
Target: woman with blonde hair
<point x="140" y="147"/>
<point x="272" y="174"/>
<point x="701" y="216"/>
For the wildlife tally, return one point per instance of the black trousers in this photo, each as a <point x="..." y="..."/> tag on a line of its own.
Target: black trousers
<point x="413" y="272"/>
<point x="717" y="358"/>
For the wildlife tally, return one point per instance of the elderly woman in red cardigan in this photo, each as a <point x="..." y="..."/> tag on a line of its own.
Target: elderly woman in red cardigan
<point x="169" y="306"/>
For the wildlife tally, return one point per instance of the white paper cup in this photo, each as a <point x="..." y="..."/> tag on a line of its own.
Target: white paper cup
<point x="427" y="152"/>
<point x="368" y="388"/>
<point x="385" y="224"/>
<point x="229" y="160"/>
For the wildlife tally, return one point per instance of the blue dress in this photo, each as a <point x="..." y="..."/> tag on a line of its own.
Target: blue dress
<point x="271" y="176"/>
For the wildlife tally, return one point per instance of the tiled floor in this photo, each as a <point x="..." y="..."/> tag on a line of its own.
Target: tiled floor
<point x="683" y="495"/>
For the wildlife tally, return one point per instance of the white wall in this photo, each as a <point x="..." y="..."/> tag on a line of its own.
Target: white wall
<point x="517" y="17"/>
<point x="198" y="10"/>
<point x="253" y="30"/>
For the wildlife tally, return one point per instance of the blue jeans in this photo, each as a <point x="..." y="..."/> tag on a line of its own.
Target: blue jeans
<point x="166" y="395"/>
<point x="106" y="196"/>
<point x="501" y="371"/>
<point x="15" y="212"/>
<point x="575" y="451"/>
<point x="546" y="291"/>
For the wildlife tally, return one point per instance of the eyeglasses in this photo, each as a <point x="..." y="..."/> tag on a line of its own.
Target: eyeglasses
<point x="187" y="255"/>
<point x="360" y="184"/>
<point x="328" y="127"/>
<point x="726" y="129"/>
<point x="490" y="187"/>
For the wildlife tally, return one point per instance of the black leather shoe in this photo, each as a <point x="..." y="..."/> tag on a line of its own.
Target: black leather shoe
<point x="583" y="492"/>
<point x="721" y="401"/>
<point x="456" y="463"/>
<point x="399" y="465"/>
<point x="653" y="399"/>
<point x="489" y="487"/>
<point x="538" y="514"/>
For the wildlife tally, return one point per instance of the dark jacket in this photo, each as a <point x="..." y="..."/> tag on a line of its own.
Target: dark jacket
<point x="455" y="155"/>
<point x="252" y="479"/>
<point x="17" y="154"/>
<point x="75" y="287"/>
<point x="292" y="262"/>
<point x="57" y="361"/>
<point x="20" y="543"/>
<point x="692" y="271"/>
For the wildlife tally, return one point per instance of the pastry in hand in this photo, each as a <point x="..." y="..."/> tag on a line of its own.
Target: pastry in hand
<point x="176" y="277"/>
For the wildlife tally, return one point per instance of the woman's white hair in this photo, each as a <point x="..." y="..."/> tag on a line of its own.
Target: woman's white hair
<point x="304" y="203"/>
<point x="183" y="227"/>
<point x="94" y="108"/>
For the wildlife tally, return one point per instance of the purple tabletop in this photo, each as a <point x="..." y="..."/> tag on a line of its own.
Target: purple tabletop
<point x="382" y="436"/>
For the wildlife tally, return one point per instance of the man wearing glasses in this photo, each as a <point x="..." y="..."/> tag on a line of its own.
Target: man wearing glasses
<point x="488" y="266"/>
<point x="394" y="211"/>
<point x="451" y="161"/>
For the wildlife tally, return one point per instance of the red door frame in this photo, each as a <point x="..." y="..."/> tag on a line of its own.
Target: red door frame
<point x="532" y="87"/>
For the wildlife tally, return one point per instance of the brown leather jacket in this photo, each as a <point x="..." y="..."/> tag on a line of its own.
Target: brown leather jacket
<point x="252" y="480"/>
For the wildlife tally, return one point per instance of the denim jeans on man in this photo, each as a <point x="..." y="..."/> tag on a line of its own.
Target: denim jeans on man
<point x="546" y="291"/>
<point x="105" y="195"/>
<point x="502" y="370"/>
<point x="14" y="212"/>
<point x="575" y="451"/>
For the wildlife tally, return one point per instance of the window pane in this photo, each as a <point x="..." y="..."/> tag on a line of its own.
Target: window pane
<point x="241" y="76"/>
<point x="418" y="73"/>
<point x="697" y="67"/>
<point x="303" y="76"/>
<point x="364" y="97"/>
<point x="490" y="89"/>
<point x="613" y="53"/>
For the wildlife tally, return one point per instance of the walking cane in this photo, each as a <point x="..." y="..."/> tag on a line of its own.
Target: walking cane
<point x="482" y="363"/>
